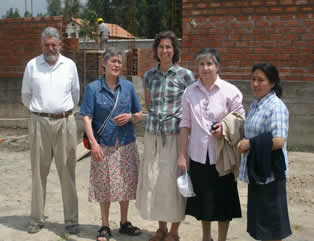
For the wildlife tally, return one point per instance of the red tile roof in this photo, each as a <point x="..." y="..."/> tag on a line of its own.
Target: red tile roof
<point x="116" y="32"/>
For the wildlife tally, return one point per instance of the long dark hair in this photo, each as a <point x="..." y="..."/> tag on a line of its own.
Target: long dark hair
<point x="272" y="75"/>
<point x="174" y="40"/>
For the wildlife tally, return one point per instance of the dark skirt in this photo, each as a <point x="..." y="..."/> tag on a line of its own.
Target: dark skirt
<point x="217" y="198"/>
<point x="267" y="212"/>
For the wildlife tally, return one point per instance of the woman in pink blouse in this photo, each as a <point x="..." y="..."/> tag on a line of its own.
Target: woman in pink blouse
<point x="206" y="103"/>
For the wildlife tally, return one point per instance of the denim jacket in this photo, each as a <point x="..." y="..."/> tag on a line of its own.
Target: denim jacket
<point x="98" y="101"/>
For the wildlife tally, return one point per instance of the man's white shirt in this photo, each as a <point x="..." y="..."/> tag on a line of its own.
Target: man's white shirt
<point x="50" y="88"/>
<point x="103" y="29"/>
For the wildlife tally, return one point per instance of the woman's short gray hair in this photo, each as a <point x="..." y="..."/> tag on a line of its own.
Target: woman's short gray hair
<point x="210" y="53"/>
<point x="111" y="51"/>
<point x="50" y="32"/>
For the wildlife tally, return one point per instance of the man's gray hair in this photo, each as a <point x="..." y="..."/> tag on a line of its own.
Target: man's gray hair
<point x="111" y="51"/>
<point x="50" y="32"/>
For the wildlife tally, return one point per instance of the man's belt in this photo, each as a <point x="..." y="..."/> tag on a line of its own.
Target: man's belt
<point x="55" y="115"/>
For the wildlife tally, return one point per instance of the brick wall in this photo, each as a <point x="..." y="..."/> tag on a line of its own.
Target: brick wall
<point x="19" y="41"/>
<point x="145" y="61"/>
<point x="250" y="31"/>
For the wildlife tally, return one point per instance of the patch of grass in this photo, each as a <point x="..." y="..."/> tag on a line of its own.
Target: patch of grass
<point x="66" y="237"/>
<point x="296" y="227"/>
<point x="292" y="148"/>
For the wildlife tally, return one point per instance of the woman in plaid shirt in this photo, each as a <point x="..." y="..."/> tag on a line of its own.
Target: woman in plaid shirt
<point x="157" y="196"/>
<point x="267" y="202"/>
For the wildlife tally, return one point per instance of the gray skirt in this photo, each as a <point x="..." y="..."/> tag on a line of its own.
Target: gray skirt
<point x="157" y="196"/>
<point x="267" y="211"/>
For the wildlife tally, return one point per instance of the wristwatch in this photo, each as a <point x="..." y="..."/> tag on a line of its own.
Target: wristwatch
<point x="133" y="119"/>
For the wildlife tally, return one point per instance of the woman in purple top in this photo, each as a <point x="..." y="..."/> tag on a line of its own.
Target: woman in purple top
<point x="205" y="104"/>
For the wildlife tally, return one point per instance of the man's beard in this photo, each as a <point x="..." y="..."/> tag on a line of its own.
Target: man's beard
<point x="51" y="58"/>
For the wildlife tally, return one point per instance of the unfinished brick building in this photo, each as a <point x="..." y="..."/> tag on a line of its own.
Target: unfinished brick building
<point x="244" y="32"/>
<point x="251" y="31"/>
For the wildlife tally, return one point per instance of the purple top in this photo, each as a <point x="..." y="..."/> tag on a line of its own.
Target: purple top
<point x="201" y="108"/>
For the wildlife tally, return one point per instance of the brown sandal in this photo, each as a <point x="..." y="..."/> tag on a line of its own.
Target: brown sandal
<point x="172" y="237"/>
<point x="159" y="235"/>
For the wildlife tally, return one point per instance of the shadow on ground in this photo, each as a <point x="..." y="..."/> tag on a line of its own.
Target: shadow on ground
<point x="88" y="231"/>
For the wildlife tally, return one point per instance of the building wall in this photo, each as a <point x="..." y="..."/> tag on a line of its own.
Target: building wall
<point x="145" y="61"/>
<point x="122" y="44"/>
<point x="19" y="41"/>
<point x="246" y="32"/>
<point x="250" y="31"/>
<point x="243" y="31"/>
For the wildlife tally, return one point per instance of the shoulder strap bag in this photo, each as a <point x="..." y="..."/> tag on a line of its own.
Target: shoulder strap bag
<point x="102" y="127"/>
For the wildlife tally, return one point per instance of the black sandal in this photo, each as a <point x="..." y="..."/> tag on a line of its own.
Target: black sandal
<point x="129" y="229"/>
<point x="104" y="232"/>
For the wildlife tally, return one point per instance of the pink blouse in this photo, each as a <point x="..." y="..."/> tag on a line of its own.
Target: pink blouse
<point x="201" y="108"/>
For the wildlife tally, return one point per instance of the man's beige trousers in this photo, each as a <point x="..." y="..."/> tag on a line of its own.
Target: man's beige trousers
<point x="53" y="139"/>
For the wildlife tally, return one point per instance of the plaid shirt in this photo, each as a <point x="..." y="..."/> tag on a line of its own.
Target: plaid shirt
<point x="166" y="91"/>
<point x="267" y="115"/>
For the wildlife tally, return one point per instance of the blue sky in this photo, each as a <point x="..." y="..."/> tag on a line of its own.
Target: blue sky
<point x="39" y="6"/>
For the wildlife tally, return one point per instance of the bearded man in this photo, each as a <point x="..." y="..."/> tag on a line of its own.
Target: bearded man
<point x="51" y="90"/>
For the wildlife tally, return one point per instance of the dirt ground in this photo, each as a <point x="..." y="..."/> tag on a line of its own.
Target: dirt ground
<point x="15" y="194"/>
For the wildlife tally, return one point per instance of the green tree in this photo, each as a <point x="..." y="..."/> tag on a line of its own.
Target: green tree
<point x="54" y="8"/>
<point x="76" y="6"/>
<point x="71" y="9"/>
<point x="131" y="17"/>
<point x="67" y="13"/>
<point x="89" y="25"/>
<point x="141" y="18"/>
<point x="165" y="19"/>
<point x="101" y="7"/>
<point x="27" y="14"/>
<point x="12" y="14"/>
<point x="161" y="16"/>
<point x="176" y="20"/>
<point x="41" y="15"/>
<point x="151" y="16"/>
<point x="112" y="11"/>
